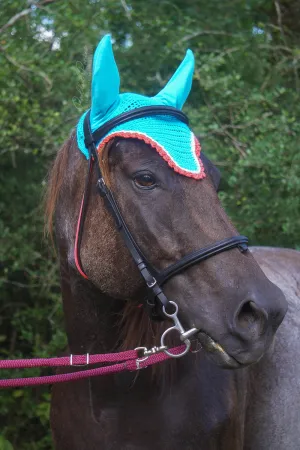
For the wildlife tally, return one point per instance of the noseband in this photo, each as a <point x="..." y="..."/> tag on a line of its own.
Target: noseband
<point x="155" y="302"/>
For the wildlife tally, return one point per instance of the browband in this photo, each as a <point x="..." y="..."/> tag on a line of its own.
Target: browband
<point x="136" y="113"/>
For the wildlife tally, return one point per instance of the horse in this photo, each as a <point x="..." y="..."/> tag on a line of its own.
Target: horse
<point x="196" y="404"/>
<point x="238" y="387"/>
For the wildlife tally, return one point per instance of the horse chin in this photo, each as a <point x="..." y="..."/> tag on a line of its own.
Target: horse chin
<point x="216" y="353"/>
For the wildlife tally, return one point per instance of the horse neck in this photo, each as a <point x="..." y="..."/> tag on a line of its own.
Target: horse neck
<point x="90" y="316"/>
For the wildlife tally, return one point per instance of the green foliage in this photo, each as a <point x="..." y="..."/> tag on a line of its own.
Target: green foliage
<point x="4" y="444"/>
<point x="244" y="106"/>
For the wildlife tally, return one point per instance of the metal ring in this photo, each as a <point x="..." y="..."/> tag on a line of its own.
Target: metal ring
<point x="174" y="313"/>
<point x="138" y="360"/>
<point x="187" y="343"/>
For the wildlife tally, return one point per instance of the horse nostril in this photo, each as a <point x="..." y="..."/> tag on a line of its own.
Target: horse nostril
<point x="252" y="319"/>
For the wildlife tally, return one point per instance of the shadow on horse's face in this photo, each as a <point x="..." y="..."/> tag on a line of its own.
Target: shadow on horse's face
<point x="227" y="296"/>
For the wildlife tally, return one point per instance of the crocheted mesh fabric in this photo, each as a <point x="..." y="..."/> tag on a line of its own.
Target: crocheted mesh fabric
<point x="170" y="137"/>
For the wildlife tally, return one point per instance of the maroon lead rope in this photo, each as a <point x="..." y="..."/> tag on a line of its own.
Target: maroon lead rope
<point x="126" y="361"/>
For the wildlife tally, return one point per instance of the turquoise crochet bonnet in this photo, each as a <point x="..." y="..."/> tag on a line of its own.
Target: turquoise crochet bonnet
<point x="171" y="138"/>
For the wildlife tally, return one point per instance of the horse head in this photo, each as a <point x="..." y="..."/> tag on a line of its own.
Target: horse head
<point x="167" y="194"/>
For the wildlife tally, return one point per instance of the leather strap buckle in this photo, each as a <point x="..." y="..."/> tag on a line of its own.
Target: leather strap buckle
<point x="102" y="187"/>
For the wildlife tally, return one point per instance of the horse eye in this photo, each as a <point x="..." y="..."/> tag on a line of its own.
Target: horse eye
<point x="144" y="180"/>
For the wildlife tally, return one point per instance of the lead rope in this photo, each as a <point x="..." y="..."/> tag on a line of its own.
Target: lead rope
<point x="126" y="361"/>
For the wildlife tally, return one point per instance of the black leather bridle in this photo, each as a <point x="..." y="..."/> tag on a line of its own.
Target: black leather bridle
<point x="153" y="278"/>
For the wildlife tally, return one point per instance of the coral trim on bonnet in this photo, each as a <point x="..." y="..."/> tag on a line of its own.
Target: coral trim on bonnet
<point x="161" y="151"/>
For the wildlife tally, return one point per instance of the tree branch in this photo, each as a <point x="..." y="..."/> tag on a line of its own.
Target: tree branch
<point x="20" y="285"/>
<point x="239" y="127"/>
<point x="23" y="13"/>
<point x="224" y="131"/>
<point x="276" y="47"/>
<point x="15" y="18"/>
<point x="27" y="69"/>
<point x="279" y="20"/>
<point x="126" y="9"/>
<point x="206" y="33"/>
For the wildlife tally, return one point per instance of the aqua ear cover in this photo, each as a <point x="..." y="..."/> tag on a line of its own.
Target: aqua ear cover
<point x="171" y="138"/>
<point x="105" y="82"/>
<point x="178" y="88"/>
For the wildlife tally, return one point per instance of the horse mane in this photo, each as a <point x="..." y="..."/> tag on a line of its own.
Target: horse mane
<point x="136" y="328"/>
<point x="54" y="183"/>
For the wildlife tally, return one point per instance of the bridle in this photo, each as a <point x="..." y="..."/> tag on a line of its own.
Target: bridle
<point x="156" y="302"/>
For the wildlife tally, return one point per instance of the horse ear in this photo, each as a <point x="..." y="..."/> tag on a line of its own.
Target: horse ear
<point x="105" y="80"/>
<point x="178" y="88"/>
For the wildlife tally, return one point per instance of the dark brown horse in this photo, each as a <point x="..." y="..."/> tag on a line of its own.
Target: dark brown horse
<point x="192" y="403"/>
